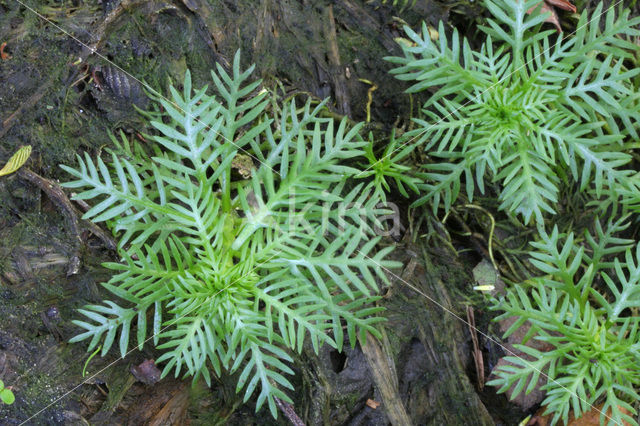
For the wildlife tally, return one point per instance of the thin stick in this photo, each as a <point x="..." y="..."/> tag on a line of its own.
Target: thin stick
<point x="60" y="199"/>
<point x="289" y="412"/>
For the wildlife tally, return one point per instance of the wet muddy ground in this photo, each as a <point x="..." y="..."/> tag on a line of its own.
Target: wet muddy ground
<point x="62" y="91"/>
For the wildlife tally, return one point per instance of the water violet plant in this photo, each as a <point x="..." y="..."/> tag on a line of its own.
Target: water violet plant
<point x="530" y="110"/>
<point x="584" y="306"/>
<point x="241" y="235"/>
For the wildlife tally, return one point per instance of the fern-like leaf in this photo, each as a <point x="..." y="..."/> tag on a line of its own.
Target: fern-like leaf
<point x="594" y="341"/>
<point x="236" y="273"/>
<point x="526" y="106"/>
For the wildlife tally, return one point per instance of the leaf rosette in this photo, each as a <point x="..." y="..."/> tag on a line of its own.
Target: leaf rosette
<point x="529" y="111"/>
<point x="229" y="272"/>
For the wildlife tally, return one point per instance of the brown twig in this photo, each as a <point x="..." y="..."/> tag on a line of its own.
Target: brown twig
<point x="60" y="199"/>
<point x="289" y="412"/>
<point x="477" y="353"/>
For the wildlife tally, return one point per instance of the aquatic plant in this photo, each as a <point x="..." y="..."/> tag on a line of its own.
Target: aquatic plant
<point x="584" y="306"/>
<point x="529" y="111"/>
<point x="241" y="236"/>
<point x="390" y="167"/>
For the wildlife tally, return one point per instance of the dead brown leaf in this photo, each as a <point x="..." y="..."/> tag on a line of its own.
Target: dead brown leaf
<point x="523" y="400"/>
<point x="562" y="4"/>
<point x="146" y="372"/>
<point x="373" y="404"/>
<point x="550" y="5"/>
<point x="4" y="55"/>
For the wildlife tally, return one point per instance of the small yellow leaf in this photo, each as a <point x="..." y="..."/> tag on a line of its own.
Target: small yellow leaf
<point x="404" y="42"/>
<point x="484" y="288"/>
<point x="15" y="162"/>
<point x="433" y="33"/>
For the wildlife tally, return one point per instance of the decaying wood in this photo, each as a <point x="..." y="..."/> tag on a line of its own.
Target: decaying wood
<point x="97" y="40"/>
<point x="289" y="412"/>
<point x="360" y="17"/>
<point x="98" y="33"/>
<point x="475" y="349"/>
<point x="336" y="73"/>
<point x="174" y="411"/>
<point x="431" y="366"/>
<point x="383" y="370"/>
<point x="206" y="28"/>
<point x="118" y="382"/>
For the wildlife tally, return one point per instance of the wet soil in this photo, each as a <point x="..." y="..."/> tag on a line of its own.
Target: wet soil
<point x="62" y="90"/>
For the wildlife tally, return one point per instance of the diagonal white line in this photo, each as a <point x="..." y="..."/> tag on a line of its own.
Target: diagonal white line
<point x="381" y="266"/>
<point x="172" y="322"/>
<point x="384" y="157"/>
<point x="104" y="58"/>
<point x="507" y="350"/>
